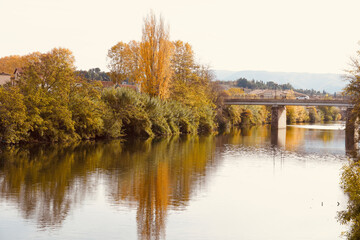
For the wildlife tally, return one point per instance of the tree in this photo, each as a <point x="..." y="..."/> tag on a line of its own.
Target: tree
<point x="13" y="124"/>
<point x="314" y="115"/>
<point x="45" y="84"/>
<point x="185" y="81"/>
<point x="353" y="87"/>
<point x="124" y="61"/>
<point x="8" y="64"/>
<point x="86" y="108"/>
<point x="182" y="61"/>
<point x="155" y="56"/>
<point x="350" y="183"/>
<point x="93" y="74"/>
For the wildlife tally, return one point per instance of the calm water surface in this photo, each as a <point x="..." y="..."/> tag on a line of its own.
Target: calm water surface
<point x="240" y="185"/>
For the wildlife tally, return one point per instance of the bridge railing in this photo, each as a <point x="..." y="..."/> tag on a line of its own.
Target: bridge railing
<point x="289" y="102"/>
<point x="245" y="97"/>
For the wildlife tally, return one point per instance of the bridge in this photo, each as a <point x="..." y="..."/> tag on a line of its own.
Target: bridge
<point x="278" y="114"/>
<point x="289" y="102"/>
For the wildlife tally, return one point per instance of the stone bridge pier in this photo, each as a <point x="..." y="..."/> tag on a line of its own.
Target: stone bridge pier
<point x="278" y="117"/>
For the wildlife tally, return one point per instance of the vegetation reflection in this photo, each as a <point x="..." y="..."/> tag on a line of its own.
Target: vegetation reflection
<point x="47" y="182"/>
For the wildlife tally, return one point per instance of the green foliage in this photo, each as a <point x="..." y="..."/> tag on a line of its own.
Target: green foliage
<point x="350" y="183"/>
<point x="205" y="117"/>
<point x="228" y="116"/>
<point x="13" y="124"/>
<point x="50" y="104"/>
<point x="244" y="83"/>
<point x="352" y="90"/>
<point x="132" y="113"/>
<point x="87" y="109"/>
<point x="296" y="114"/>
<point x="182" y="117"/>
<point x="313" y="115"/>
<point x="258" y="114"/>
<point x="45" y="85"/>
<point x="125" y="113"/>
<point x="234" y="114"/>
<point x="329" y="113"/>
<point x="93" y="74"/>
<point x="191" y="86"/>
<point x="157" y="112"/>
<point x="255" y="84"/>
<point x="309" y="92"/>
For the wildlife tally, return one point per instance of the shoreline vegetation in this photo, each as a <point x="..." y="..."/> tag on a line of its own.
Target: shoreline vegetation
<point x="49" y="101"/>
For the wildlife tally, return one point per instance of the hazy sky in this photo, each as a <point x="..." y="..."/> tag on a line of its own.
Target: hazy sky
<point x="273" y="35"/>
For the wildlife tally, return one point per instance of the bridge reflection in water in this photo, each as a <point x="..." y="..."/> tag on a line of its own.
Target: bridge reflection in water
<point x="278" y="116"/>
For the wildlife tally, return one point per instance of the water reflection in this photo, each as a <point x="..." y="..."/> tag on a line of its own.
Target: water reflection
<point x="295" y="138"/>
<point x="47" y="182"/>
<point x="162" y="175"/>
<point x="247" y="136"/>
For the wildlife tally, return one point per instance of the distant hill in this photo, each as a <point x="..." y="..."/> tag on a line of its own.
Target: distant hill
<point x="318" y="81"/>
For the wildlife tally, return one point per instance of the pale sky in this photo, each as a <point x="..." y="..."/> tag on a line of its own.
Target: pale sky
<point x="317" y="36"/>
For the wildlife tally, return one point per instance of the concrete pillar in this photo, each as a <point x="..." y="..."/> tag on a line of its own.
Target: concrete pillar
<point x="278" y="117"/>
<point x="351" y="131"/>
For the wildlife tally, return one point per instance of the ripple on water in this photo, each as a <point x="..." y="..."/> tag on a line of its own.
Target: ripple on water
<point x="340" y="126"/>
<point x="265" y="152"/>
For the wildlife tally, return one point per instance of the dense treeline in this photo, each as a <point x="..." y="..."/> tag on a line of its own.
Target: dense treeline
<point x="51" y="103"/>
<point x="258" y="84"/>
<point x="311" y="92"/>
<point x="94" y="74"/>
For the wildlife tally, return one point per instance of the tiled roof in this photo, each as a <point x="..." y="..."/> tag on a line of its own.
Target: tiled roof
<point x="107" y="83"/>
<point x="127" y="86"/>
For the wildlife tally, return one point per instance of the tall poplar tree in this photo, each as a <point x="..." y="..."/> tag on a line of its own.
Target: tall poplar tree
<point x="155" y="57"/>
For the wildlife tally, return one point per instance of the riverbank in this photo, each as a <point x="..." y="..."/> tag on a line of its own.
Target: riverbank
<point x="93" y="112"/>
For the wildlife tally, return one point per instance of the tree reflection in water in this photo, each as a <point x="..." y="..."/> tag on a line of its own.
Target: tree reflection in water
<point x="47" y="182"/>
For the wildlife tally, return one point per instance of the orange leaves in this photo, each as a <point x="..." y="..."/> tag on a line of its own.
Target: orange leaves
<point x="124" y="58"/>
<point x="148" y="62"/>
<point x="234" y="92"/>
<point x="155" y="58"/>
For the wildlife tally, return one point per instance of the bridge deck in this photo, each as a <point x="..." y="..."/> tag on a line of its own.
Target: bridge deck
<point x="289" y="102"/>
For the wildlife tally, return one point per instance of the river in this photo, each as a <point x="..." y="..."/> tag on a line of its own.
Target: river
<point x="237" y="185"/>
